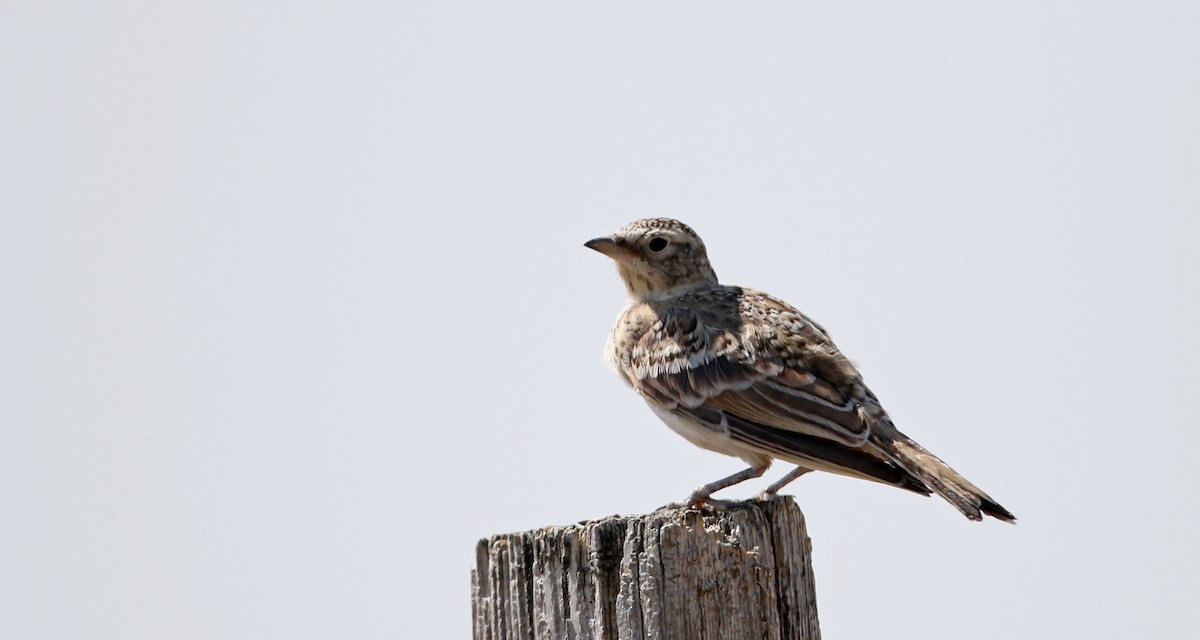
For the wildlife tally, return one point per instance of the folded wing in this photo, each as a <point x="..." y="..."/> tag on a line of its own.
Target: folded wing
<point x="772" y="394"/>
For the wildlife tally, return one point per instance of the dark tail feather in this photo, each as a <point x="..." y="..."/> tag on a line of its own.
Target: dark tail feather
<point x="937" y="475"/>
<point x="993" y="509"/>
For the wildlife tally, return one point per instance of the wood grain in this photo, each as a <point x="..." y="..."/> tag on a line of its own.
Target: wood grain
<point x="740" y="573"/>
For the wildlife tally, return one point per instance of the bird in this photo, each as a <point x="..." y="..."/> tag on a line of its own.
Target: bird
<point x="737" y="371"/>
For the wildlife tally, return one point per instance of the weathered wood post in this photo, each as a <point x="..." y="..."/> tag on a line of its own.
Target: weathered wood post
<point x="734" y="574"/>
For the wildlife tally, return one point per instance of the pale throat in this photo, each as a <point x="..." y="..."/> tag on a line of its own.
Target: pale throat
<point x="644" y="287"/>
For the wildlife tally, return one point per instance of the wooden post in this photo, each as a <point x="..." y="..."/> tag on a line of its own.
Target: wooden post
<point x="734" y="574"/>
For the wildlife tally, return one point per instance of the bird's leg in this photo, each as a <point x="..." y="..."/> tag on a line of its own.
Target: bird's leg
<point x="702" y="496"/>
<point x="779" y="484"/>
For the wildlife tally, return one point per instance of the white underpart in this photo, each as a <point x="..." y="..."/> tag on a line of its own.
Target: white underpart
<point x="714" y="438"/>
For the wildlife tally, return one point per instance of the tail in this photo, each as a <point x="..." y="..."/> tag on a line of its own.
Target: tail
<point x="935" y="474"/>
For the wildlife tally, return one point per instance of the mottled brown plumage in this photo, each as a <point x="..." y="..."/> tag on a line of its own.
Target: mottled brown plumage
<point x="739" y="372"/>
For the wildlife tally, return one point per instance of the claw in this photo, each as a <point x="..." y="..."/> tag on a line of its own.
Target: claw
<point x="700" y="503"/>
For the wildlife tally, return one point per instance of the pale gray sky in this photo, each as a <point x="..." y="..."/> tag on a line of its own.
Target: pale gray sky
<point x="295" y="307"/>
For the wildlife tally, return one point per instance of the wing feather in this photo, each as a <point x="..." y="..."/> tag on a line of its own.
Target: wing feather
<point x="774" y="382"/>
<point x="691" y="362"/>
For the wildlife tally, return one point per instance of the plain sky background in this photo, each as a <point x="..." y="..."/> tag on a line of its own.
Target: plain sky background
<point x="295" y="307"/>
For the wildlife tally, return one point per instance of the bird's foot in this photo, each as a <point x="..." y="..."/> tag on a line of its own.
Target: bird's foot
<point x="689" y="503"/>
<point x="701" y="501"/>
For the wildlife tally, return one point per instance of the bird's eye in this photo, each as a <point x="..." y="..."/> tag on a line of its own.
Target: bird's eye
<point x="658" y="244"/>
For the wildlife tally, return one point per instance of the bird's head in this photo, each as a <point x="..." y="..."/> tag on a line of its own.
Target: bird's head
<point x="657" y="258"/>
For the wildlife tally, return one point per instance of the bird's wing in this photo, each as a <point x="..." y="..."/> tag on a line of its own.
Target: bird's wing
<point x="790" y="393"/>
<point x="792" y="381"/>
